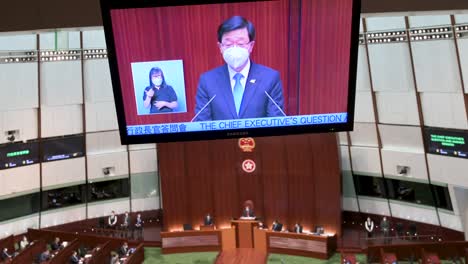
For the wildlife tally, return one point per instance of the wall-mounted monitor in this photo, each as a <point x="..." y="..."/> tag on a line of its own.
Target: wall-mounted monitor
<point x="445" y="141"/>
<point x="60" y="148"/>
<point x="199" y="69"/>
<point x="13" y="155"/>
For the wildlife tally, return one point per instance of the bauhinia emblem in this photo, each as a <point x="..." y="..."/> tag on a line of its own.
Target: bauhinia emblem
<point x="248" y="165"/>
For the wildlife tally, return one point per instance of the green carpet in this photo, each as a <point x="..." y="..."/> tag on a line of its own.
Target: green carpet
<point x="286" y="259"/>
<point x="153" y="255"/>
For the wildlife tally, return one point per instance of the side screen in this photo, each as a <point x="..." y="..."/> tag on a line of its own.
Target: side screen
<point x="449" y="142"/>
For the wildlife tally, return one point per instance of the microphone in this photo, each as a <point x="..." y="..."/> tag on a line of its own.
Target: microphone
<point x="203" y="108"/>
<point x="277" y="106"/>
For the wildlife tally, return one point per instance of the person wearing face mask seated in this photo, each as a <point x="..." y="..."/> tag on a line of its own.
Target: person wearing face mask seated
<point x="240" y="88"/>
<point x="159" y="97"/>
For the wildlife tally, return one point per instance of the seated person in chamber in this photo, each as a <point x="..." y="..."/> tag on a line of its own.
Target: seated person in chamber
<point x="23" y="243"/>
<point x="75" y="259"/>
<point x="5" y="255"/>
<point x="208" y="220"/>
<point x="114" y="258"/>
<point x="112" y="220"/>
<point x="97" y="194"/>
<point x="159" y="97"/>
<point x="124" y="251"/>
<point x="44" y="256"/>
<point x="261" y="225"/>
<point x="240" y="88"/>
<point x="56" y="245"/>
<point x="297" y="228"/>
<point x="319" y="230"/>
<point x="276" y="226"/>
<point x="73" y="198"/>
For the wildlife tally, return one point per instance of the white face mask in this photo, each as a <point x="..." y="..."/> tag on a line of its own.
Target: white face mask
<point x="235" y="56"/>
<point x="156" y="81"/>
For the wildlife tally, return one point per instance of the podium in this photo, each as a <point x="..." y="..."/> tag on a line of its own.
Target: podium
<point x="207" y="227"/>
<point x="244" y="232"/>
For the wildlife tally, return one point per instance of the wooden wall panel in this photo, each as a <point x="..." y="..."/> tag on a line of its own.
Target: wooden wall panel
<point x="301" y="183"/>
<point x="272" y="153"/>
<point x="327" y="196"/>
<point x="199" y="190"/>
<point x="297" y="178"/>
<point x="324" y="58"/>
<point x="224" y="180"/>
<point x="175" y="200"/>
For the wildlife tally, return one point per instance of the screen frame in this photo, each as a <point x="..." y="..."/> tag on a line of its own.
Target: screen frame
<point x="108" y="5"/>
<point x="427" y="131"/>
<point x="33" y="147"/>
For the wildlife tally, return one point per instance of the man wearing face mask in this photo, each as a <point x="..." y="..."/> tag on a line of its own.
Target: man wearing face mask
<point x="240" y="88"/>
<point x="159" y="97"/>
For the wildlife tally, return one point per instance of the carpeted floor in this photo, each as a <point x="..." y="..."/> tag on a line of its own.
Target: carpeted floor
<point x="153" y="255"/>
<point x="286" y="259"/>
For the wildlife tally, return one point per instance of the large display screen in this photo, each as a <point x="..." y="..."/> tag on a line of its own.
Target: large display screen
<point x="192" y="70"/>
<point x="449" y="142"/>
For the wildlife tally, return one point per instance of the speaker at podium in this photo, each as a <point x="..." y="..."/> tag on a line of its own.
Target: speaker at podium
<point x="244" y="226"/>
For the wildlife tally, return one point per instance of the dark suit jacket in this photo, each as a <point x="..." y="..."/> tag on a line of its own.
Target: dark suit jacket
<point x="54" y="246"/>
<point x="250" y="214"/>
<point x="44" y="257"/>
<point x="5" y="256"/>
<point x="297" y="229"/>
<point x="138" y="223"/>
<point x="208" y="221"/>
<point x="277" y="227"/>
<point x="74" y="260"/>
<point x="255" y="102"/>
<point x="123" y="251"/>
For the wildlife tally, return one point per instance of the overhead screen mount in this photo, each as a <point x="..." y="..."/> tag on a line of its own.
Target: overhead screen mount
<point x="173" y="65"/>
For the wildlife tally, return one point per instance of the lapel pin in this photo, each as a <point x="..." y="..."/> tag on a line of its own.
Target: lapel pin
<point x="252" y="81"/>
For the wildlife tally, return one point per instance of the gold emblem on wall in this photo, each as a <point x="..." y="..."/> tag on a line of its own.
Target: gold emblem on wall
<point x="246" y="144"/>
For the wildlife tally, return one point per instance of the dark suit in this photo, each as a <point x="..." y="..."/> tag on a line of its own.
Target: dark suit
<point x="208" y="220"/>
<point x="74" y="260"/>
<point x="255" y="102"/>
<point x="123" y="251"/>
<point x="139" y="223"/>
<point x="5" y="256"/>
<point x="44" y="257"/>
<point x="54" y="246"/>
<point x="249" y="213"/>
<point x="297" y="229"/>
<point x="277" y="227"/>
